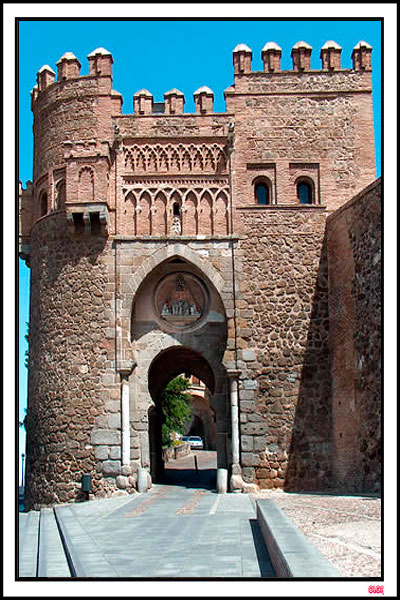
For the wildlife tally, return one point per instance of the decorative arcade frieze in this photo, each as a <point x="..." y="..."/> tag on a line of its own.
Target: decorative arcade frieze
<point x="179" y="207"/>
<point x="175" y="158"/>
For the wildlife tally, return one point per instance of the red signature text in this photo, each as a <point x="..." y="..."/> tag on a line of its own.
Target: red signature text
<point x="375" y="589"/>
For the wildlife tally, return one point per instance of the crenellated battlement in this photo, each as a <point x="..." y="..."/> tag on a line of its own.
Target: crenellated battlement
<point x="100" y="65"/>
<point x="301" y="57"/>
<point x="68" y="67"/>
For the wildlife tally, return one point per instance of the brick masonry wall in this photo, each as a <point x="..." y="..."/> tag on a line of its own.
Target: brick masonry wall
<point x="283" y="349"/>
<point x="166" y="160"/>
<point x="354" y="250"/>
<point x="314" y="124"/>
<point x="181" y="126"/>
<point x="60" y="117"/>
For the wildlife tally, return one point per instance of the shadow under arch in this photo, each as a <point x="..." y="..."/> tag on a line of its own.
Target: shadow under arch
<point x="168" y="364"/>
<point x="174" y="361"/>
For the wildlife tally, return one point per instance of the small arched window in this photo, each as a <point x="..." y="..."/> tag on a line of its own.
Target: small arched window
<point x="262" y="192"/>
<point x="60" y="195"/>
<point x="176" y="209"/>
<point x="43" y="204"/>
<point x="305" y="192"/>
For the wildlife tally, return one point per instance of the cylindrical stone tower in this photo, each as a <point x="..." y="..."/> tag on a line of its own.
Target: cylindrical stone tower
<point x="71" y="211"/>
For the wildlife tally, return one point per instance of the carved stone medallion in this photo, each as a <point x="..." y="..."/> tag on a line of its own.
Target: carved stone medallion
<point x="180" y="300"/>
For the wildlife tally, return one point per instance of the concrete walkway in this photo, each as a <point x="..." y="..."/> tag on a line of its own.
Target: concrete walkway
<point x="182" y="528"/>
<point x="179" y="529"/>
<point x="170" y="532"/>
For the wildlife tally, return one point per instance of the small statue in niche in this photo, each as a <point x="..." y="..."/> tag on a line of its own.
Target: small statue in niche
<point x="176" y="226"/>
<point x="193" y="310"/>
<point x="180" y="283"/>
<point x="117" y="139"/>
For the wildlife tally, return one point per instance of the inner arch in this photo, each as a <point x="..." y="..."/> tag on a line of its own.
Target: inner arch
<point x="168" y="364"/>
<point x="174" y="361"/>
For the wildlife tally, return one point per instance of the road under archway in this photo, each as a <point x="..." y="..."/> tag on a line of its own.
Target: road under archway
<point x="168" y="364"/>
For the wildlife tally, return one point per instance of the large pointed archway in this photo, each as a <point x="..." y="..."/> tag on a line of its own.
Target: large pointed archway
<point x="178" y="326"/>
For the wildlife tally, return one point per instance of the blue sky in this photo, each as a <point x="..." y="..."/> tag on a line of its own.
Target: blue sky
<point x="161" y="55"/>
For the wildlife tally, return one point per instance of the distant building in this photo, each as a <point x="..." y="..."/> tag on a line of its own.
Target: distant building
<point x="203" y="417"/>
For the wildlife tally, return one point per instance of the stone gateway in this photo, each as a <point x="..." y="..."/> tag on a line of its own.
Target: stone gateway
<point x="241" y="247"/>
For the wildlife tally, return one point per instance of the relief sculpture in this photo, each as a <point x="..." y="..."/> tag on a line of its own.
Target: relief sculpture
<point x="180" y="300"/>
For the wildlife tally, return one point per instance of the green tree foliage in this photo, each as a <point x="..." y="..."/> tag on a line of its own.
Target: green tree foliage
<point x="175" y="404"/>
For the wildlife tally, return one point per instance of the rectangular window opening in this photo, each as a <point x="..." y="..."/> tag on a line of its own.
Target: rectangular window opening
<point x="158" y="108"/>
<point x="78" y="222"/>
<point x="95" y="223"/>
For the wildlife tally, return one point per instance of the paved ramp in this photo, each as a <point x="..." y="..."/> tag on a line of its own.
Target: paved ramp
<point x="179" y="529"/>
<point x="41" y="552"/>
<point x="169" y="532"/>
<point x="28" y="543"/>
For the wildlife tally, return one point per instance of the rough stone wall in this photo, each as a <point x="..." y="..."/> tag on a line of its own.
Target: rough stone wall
<point x="71" y="383"/>
<point x="354" y="251"/>
<point x="25" y="210"/>
<point x="283" y="349"/>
